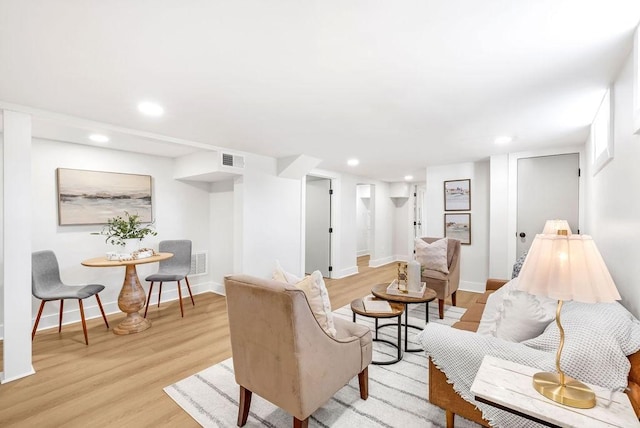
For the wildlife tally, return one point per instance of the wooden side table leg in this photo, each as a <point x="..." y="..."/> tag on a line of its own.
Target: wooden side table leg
<point x="130" y="301"/>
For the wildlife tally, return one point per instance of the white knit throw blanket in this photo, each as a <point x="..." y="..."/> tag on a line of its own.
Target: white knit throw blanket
<point x="598" y="338"/>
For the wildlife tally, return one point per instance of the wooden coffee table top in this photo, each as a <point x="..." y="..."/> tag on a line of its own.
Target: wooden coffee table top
<point x="380" y="291"/>
<point x="357" y="306"/>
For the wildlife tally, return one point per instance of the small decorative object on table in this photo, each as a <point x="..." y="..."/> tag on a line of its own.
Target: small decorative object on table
<point x="395" y="289"/>
<point x="402" y="277"/>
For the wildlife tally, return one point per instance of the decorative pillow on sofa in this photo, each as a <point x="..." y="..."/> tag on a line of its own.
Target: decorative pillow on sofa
<point x="317" y="295"/>
<point x="433" y="256"/>
<point x="514" y="315"/>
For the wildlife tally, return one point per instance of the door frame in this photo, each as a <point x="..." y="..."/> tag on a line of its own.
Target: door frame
<point x="512" y="198"/>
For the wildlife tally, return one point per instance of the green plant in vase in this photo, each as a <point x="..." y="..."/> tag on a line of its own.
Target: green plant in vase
<point x="120" y="228"/>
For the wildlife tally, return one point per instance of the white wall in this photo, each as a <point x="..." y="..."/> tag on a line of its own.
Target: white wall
<point x="613" y="207"/>
<point x="402" y="228"/>
<point x="317" y="223"/>
<point x="363" y="220"/>
<point x="474" y="266"/>
<point x="382" y="247"/>
<point x="181" y="211"/>
<point x="267" y="219"/>
<point x="221" y="227"/>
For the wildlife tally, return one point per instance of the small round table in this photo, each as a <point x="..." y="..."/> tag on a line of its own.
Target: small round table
<point x="380" y="291"/>
<point x="357" y="307"/>
<point x="132" y="297"/>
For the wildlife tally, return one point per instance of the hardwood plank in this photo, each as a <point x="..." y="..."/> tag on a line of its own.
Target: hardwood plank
<point x="118" y="380"/>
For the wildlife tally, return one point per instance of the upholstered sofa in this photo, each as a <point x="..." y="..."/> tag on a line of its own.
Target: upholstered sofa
<point x="442" y="393"/>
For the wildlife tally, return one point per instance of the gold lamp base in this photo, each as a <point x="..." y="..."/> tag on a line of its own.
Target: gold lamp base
<point x="573" y="393"/>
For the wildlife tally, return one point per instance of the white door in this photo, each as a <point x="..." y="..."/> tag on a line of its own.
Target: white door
<point x="318" y="225"/>
<point x="548" y="188"/>
<point x="418" y="198"/>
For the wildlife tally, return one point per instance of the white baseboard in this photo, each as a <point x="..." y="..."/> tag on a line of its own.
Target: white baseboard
<point x="91" y="310"/>
<point x="218" y="289"/>
<point x="474" y="287"/>
<point x="12" y="378"/>
<point x="381" y="262"/>
<point x="361" y="253"/>
<point x="402" y="258"/>
<point x="343" y="273"/>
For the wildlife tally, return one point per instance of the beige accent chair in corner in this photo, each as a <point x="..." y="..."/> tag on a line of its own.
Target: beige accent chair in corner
<point x="281" y="353"/>
<point x="444" y="284"/>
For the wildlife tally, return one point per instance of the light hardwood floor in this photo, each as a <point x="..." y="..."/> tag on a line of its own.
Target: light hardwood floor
<point x="118" y="380"/>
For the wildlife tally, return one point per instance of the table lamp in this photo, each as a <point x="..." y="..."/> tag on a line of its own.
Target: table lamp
<point x="566" y="267"/>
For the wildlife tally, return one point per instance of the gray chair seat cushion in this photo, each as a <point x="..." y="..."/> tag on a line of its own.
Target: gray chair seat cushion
<point x="62" y="291"/>
<point x="164" y="277"/>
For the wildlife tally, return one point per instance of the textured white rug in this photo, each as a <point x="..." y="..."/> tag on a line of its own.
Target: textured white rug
<point x="397" y="392"/>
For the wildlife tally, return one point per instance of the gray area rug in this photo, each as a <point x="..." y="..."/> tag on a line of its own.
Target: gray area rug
<point x="397" y="392"/>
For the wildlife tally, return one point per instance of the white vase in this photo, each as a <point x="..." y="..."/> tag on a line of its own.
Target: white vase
<point x="131" y="245"/>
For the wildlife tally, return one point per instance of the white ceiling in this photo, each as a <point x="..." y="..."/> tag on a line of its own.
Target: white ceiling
<point x="398" y="84"/>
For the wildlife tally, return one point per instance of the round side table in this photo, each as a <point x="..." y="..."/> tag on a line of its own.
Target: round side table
<point x="380" y="291"/>
<point x="357" y="307"/>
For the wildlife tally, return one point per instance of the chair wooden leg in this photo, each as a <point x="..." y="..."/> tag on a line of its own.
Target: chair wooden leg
<point x="245" y="404"/>
<point x="363" y="381"/>
<point x="189" y="288"/>
<point x="441" y="308"/>
<point x="104" y="317"/>
<point x="35" y="326"/>
<point x="450" y="418"/>
<point x="297" y="423"/>
<point x="159" y="293"/>
<point x="146" y="308"/>
<point x="180" y="299"/>
<point x="60" y="316"/>
<point x="84" y="323"/>
<point x="453" y="298"/>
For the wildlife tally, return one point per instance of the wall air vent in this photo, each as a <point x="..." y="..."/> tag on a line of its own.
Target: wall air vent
<point x="198" y="264"/>
<point x="235" y="161"/>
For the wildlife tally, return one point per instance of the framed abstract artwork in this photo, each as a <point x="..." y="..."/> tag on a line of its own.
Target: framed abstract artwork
<point x="92" y="197"/>
<point x="457" y="195"/>
<point x="458" y="226"/>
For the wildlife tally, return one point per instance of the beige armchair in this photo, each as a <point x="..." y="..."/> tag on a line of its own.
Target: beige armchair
<point x="281" y="353"/>
<point x="444" y="284"/>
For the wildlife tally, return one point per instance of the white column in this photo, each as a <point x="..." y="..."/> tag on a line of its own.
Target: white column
<point x="17" y="246"/>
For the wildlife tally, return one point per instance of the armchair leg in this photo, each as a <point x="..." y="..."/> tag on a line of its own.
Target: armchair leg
<point x="297" y="423"/>
<point x="441" y="308"/>
<point x="453" y="297"/>
<point x="363" y="381"/>
<point x="245" y="404"/>
<point x="35" y="326"/>
<point x="450" y="418"/>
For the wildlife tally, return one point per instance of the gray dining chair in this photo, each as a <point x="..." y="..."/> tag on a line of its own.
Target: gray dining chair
<point x="174" y="269"/>
<point x="47" y="286"/>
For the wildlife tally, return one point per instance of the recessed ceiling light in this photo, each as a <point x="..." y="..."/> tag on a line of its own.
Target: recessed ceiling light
<point x="99" y="138"/>
<point x="150" y="109"/>
<point x="353" y="162"/>
<point x="408" y="177"/>
<point x="503" y="140"/>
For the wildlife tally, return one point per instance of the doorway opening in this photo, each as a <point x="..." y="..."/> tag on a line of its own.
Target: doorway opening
<point x="318" y="228"/>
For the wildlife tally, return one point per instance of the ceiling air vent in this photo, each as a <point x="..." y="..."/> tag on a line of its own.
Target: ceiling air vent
<point x="232" y="160"/>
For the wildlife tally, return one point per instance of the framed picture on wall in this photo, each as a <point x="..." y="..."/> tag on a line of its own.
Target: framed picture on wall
<point x="457" y="195"/>
<point x="458" y="226"/>
<point x="92" y="197"/>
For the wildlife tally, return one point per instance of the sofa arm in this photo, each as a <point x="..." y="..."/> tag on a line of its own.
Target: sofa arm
<point x="494" y="283"/>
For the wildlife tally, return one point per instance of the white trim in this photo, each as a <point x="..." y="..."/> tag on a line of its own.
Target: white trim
<point x="472" y="287"/>
<point x="343" y="273"/>
<point x="361" y="253"/>
<point x="382" y="261"/>
<point x="20" y="376"/>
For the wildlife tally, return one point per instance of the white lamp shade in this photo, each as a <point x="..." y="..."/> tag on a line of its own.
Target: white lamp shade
<point x="567" y="268"/>
<point x="553" y="226"/>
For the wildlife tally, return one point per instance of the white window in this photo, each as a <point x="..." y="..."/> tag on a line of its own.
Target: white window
<point x="601" y="135"/>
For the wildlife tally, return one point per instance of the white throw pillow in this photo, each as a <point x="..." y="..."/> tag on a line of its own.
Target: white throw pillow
<point x="279" y="274"/>
<point x="520" y="315"/>
<point x="524" y="316"/>
<point x="316" y="292"/>
<point x="491" y="312"/>
<point x="433" y="256"/>
<point x="318" y="297"/>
